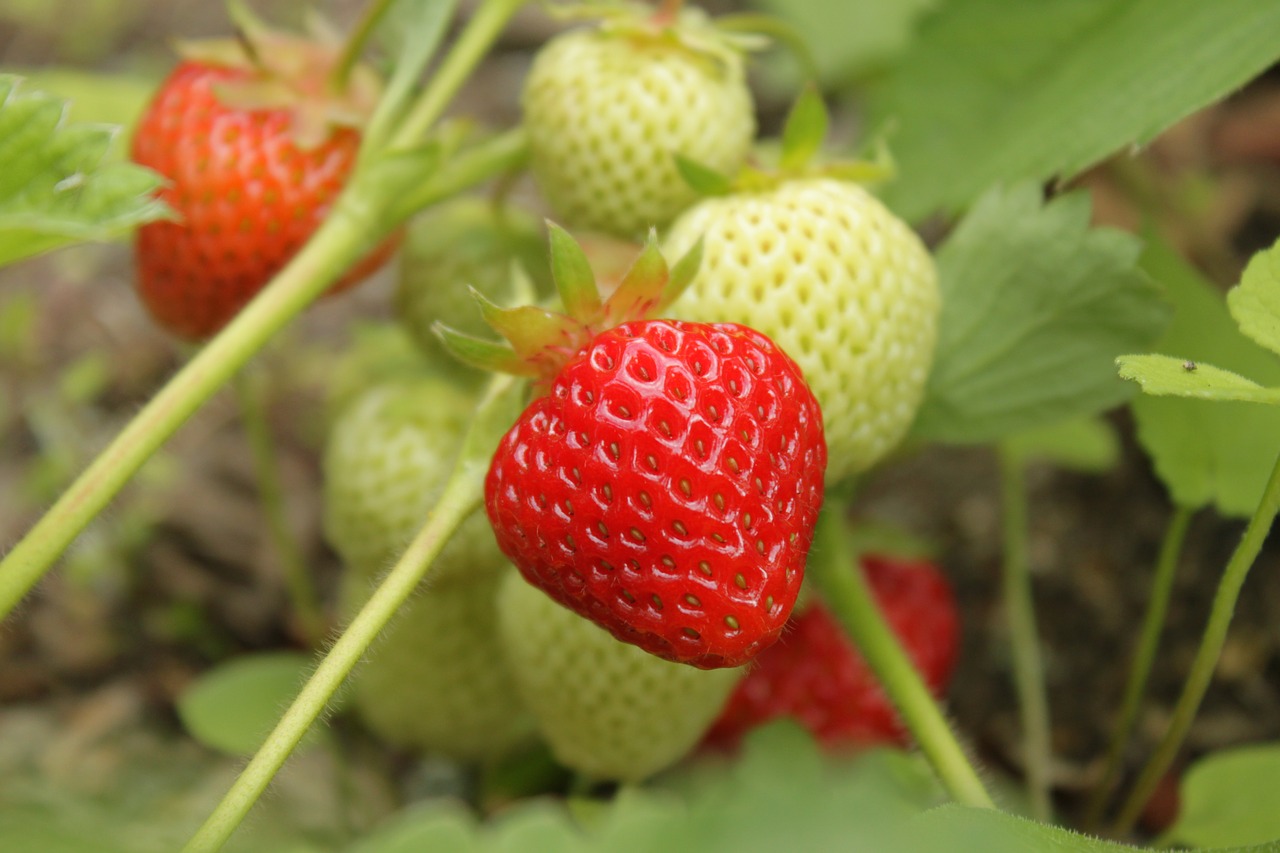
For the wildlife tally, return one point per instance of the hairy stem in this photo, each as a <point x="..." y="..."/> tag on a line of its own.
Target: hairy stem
<point x="1206" y="659"/>
<point x="1143" y="658"/>
<point x="346" y="235"/>
<point x="1024" y="638"/>
<point x="355" y="43"/>
<point x="461" y="497"/>
<point x="343" y="237"/>
<point x="833" y="566"/>
<point x="302" y="592"/>
<point x="472" y="45"/>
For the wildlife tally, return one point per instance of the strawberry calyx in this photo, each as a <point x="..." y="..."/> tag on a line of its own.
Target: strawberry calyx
<point x="538" y="341"/>
<point x="799" y="156"/>
<point x="290" y="72"/>
<point x="671" y="23"/>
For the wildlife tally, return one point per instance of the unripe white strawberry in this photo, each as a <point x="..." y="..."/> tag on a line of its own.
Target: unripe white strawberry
<point x="386" y="462"/>
<point x="607" y="709"/>
<point x="607" y="108"/>
<point x="450" y="248"/>
<point x="436" y="679"/>
<point x="840" y="284"/>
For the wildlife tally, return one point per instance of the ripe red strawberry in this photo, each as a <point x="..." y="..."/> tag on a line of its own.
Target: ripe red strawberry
<point x="815" y="675"/>
<point x="254" y="156"/>
<point x="667" y="482"/>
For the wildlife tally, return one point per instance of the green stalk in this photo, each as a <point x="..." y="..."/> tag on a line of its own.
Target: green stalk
<point x="355" y="43"/>
<point x="1143" y="659"/>
<point x="1024" y="638"/>
<point x="302" y="592"/>
<point x="461" y="497"/>
<point x="347" y="234"/>
<point x="1206" y="659"/>
<point x="833" y="567"/>
<point x="473" y="43"/>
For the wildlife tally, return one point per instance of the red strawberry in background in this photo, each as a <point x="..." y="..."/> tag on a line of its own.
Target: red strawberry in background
<point x="666" y="483"/>
<point x="255" y="145"/>
<point x="816" y="676"/>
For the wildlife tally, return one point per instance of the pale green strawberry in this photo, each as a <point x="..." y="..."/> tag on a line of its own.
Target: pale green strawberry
<point x="607" y="709"/>
<point x="840" y="284"/>
<point x="607" y="108"/>
<point x="436" y="679"/>
<point x="386" y="462"/>
<point x="463" y="244"/>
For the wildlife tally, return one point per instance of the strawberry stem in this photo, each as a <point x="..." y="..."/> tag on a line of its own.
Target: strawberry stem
<point x="833" y="567"/>
<point x="1143" y="659"/>
<point x="302" y="592"/>
<point x="1024" y="638"/>
<point x="1206" y="659"/>
<point x="462" y="496"/>
<point x="355" y="44"/>
<point x="370" y="208"/>
<point x="471" y="46"/>
<point x="339" y="242"/>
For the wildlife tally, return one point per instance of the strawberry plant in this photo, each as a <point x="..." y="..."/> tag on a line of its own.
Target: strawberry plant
<point x="986" y="289"/>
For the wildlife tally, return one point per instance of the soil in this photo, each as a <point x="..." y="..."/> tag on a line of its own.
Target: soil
<point x="179" y="573"/>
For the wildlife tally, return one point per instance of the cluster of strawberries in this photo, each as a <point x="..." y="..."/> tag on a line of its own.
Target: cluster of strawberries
<point x="666" y="477"/>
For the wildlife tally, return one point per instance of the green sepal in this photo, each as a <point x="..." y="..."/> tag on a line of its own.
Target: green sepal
<point x="775" y="28"/>
<point x="529" y="329"/>
<point x="482" y="354"/>
<point x="1167" y="376"/>
<point x="683" y="272"/>
<point x="879" y="168"/>
<point x="642" y="289"/>
<point x="571" y="271"/>
<point x="704" y="180"/>
<point x="804" y="131"/>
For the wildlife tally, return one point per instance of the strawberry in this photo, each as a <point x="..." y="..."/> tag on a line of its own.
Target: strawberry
<point x="815" y="675"/>
<point x="606" y="708"/>
<point x="255" y="150"/>
<point x="666" y="481"/>
<point x="846" y="288"/>
<point x="386" y="461"/>
<point x="436" y="680"/>
<point x="607" y="107"/>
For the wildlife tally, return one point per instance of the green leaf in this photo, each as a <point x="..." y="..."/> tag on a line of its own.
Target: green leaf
<point x="805" y="130"/>
<point x="1085" y="444"/>
<point x="55" y="187"/>
<point x="1255" y="303"/>
<point x="446" y="826"/>
<point x="1230" y="798"/>
<point x="1207" y="452"/>
<point x="847" y="39"/>
<point x="233" y="706"/>
<point x="1166" y="376"/>
<point x="1036" y="305"/>
<point x="964" y="829"/>
<point x="96" y="97"/>
<point x="1005" y="90"/>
